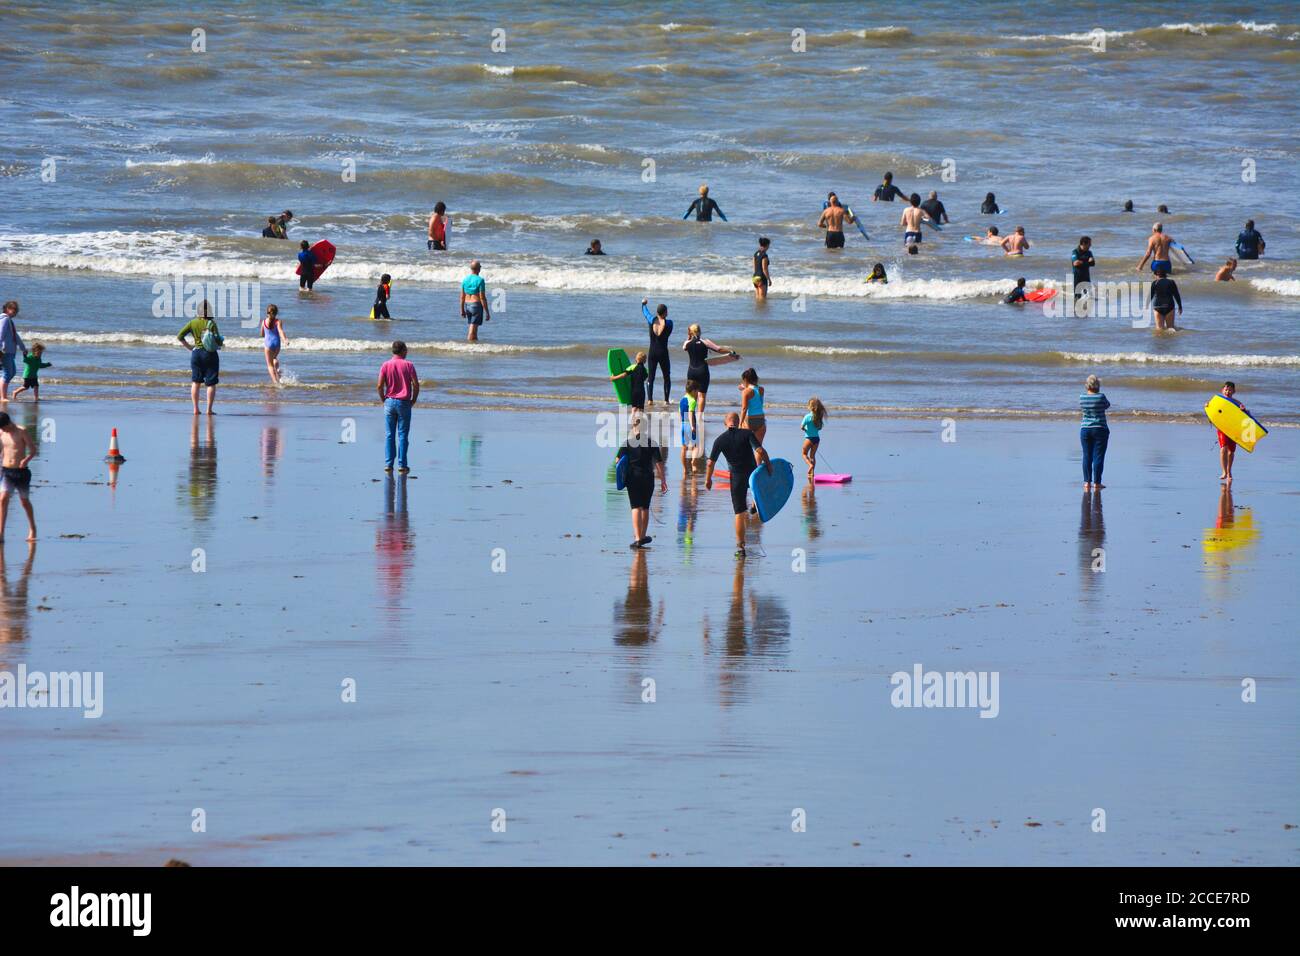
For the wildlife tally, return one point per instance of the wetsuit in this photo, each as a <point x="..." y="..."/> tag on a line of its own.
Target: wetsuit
<point x="989" y="208"/>
<point x="639" y="478"/>
<point x="934" y="209"/>
<point x="760" y="276"/>
<point x="886" y="192"/>
<point x="1164" y="295"/>
<point x="1016" y="295"/>
<point x="1249" y="244"/>
<point x="657" y="356"/>
<point x="704" y="208"/>
<point x="738" y="446"/>
<point x="1082" y="263"/>
<point x="698" y="370"/>
<point x="637" y="375"/>
<point x="307" y="273"/>
<point x="381" y="303"/>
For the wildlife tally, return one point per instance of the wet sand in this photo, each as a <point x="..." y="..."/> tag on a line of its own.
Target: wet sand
<point x="521" y="689"/>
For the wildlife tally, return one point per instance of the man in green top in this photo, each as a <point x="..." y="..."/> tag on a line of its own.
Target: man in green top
<point x="473" y="301"/>
<point x="205" y="364"/>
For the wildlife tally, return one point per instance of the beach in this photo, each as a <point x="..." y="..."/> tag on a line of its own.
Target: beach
<point x="521" y="689"/>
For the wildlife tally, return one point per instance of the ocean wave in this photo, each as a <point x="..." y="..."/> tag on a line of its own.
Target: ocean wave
<point x="1277" y="286"/>
<point x="1145" y="358"/>
<point x="1048" y="358"/>
<point x="1163" y="31"/>
<point x="207" y="159"/>
<point x="253" y="343"/>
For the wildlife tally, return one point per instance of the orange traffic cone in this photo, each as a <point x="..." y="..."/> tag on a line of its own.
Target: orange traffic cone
<point x="114" y="455"/>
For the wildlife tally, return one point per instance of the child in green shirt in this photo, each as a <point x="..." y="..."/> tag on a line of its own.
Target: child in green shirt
<point x="32" y="365"/>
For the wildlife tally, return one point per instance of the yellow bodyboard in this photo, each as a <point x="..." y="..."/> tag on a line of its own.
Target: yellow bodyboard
<point x="1233" y="422"/>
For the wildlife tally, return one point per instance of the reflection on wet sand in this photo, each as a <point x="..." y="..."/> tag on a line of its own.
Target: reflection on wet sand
<point x="471" y="449"/>
<point x="199" y="491"/>
<point x="1092" y="542"/>
<point x="270" y="452"/>
<point x="688" y="512"/>
<point x="636" y="621"/>
<point x="811" y="526"/>
<point x="14" y="612"/>
<point x="394" y="546"/>
<point x="757" y="625"/>
<point x="1228" y="544"/>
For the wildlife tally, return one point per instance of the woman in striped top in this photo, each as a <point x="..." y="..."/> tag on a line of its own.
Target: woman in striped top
<point x="1094" y="433"/>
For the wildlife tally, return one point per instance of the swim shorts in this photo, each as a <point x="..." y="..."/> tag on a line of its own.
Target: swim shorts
<point x="16" y="481"/>
<point x="834" y="240"/>
<point x="1224" y="442"/>
<point x="739" y="493"/>
<point x="1161" y="264"/>
<point x="639" y="493"/>
<point x="911" y="237"/>
<point x="437" y="244"/>
<point x="205" y="366"/>
<point x="474" y="313"/>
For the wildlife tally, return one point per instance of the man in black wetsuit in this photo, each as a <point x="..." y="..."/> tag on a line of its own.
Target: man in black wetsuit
<point x="934" y="208"/>
<point x="1250" y="244"/>
<point x="1164" y="295"/>
<point x="744" y="453"/>
<point x="704" y="208"/>
<point x="887" y="191"/>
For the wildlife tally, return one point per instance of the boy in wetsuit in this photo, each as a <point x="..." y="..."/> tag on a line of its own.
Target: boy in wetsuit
<point x="638" y="373"/>
<point x="306" y="267"/>
<point x="1081" y="262"/>
<point x="1017" y="295"/>
<point x="16" y="452"/>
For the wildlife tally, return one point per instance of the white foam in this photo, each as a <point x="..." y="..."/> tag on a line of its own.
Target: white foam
<point x="207" y="159"/>
<point x="1277" y="286"/>
<point x="253" y="343"/>
<point x="499" y="70"/>
<point x="1144" y="358"/>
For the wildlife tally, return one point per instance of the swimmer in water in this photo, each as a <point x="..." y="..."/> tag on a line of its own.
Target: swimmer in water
<point x="989" y="207"/>
<point x="877" y="274"/>
<point x="1016" y="244"/>
<point x="1158" y="250"/>
<point x="911" y="221"/>
<point x="833" y="218"/>
<point x="1225" y="273"/>
<point x="704" y="208"/>
<point x="887" y="191"/>
<point x="990" y="237"/>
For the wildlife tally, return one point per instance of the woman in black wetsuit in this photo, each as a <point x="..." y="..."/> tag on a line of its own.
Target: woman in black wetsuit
<point x="661" y="327"/>
<point x="698" y="349"/>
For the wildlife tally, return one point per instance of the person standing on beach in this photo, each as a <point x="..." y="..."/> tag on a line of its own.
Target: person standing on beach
<point x="698" y="348"/>
<point x="1094" y="433"/>
<point x="205" y="359"/>
<point x="398" y="388"/>
<point x="637" y="373"/>
<point x="306" y="266"/>
<point x="934" y="208"/>
<point x="1250" y="244"/>
<point x="744" y="454"/>
<point x="832" y="220"/>
<point x="1164" y="296"/>
<point x="16" y="452"/>
<point x="752" y="414"/>
<point x="704" y="208"/>
<point x="1081" y="263"/>
<point x="1228" y="447"/>
<point x="473" y="300"/>
<point x="32" y="366"/>
<point x="645" y="460"/>
<point x="439" y="227"/>
<point x="273" y="338"/>
<point x="762" y="269"/>
<point x="1158" y="250"/>
<point x="661" y="327"/>
<point x="11" y="343"/>
<point x="887" y="191"/>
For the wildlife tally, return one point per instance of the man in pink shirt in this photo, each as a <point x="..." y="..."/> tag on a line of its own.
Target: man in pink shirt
<point x="398" y="388"/>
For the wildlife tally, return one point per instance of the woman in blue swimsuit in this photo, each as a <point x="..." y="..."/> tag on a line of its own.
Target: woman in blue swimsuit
<point x="273" y="338"/>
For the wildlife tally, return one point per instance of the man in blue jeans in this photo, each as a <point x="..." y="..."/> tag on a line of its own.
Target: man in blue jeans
<point x="398" y="388"/>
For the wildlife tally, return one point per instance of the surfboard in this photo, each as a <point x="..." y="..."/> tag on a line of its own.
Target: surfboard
<point x="827" y="478"/>
<point x="933" y="225"/>
<point x="324" y="253"/>
<point x="1186" y="255"/>
<point x="1039" y="295"/>
<point x="620" y="473"/>
<point x="617" y="362"/>
<point x="1234" y="422"/>
<point x="771" y="492"/>
<point x="858" y="222"/>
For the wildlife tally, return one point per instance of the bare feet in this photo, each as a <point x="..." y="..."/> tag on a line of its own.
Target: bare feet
<point x="1098" y="486"/>
<point x="1087" y="486"/>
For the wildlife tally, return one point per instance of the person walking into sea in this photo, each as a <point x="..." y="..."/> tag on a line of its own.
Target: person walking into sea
<point x="16" y="452"/>
<point x="306" y="267"/>
<point x="661" y="328"/>
<point x="11" y="343"/>
<point x="1094" y="433"/>
<point x="205" y="357"/>
<point x="1081" y="263"/>
<point x="473" y="301"/>
<point x="273" y="338"/>
<point x="1250" y="244"/>
<point x="832" y="220"/>
<point x="1164" y="296"/>
<point x="934" y="208"/>
<point x="704" y="208"/>
<point x="698" y="348"/>
<point x="439" y="228"/>
<point x="398" y="388"/>
<point x="887" y="191"/>
<point x="1158" y="250"/>
<point x="911" y="221"/>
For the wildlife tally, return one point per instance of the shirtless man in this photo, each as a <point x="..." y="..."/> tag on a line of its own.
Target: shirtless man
<point x="16" y="452"/>
<point x="911" y="221"/>
<point x="832" y="220"/>
<point x="1158" y="250"/>
<point x="1016" y="244"/>
<point x="990" y="237"/>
